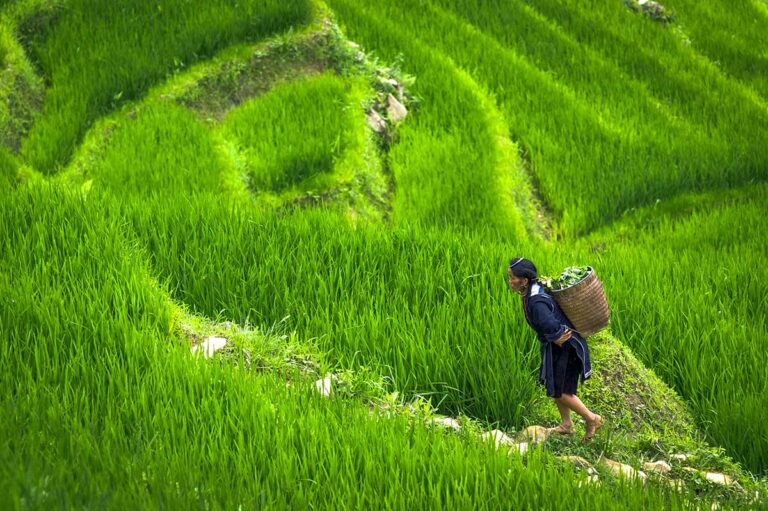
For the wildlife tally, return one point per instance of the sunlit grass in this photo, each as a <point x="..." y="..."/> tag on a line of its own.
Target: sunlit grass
<point x="688" y="298"/>
<point x="294" y="132"/>
<point x="123" y="49"/>
<point x="105" y="408"/>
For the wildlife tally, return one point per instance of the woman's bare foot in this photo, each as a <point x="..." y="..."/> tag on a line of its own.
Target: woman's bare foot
<point x="592" y="427"/>
<point x="563" y="429"/>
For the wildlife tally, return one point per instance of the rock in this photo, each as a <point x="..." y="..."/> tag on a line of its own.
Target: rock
<point x="395" y="110"/>
<point x="520" y="448"/>
<point x="210" y="346"/>
<point x="680" y="457"/>
<point x="623" y="470"/>
<point x="718" y="478"/>
<point x="713" y="477"/>
<point x="448" y="422"/>
<point x="325" y="385"/>
<point x="536" y="434"/>
<point x="390" y="82"/>
<point x="499" y="437"/>
<point x="375" y="121"/>
<point x="580" y="463"/>
<point x="660" y="467"/>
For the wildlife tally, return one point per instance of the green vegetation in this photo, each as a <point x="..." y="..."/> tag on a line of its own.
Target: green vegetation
<point x="701" y="297"/>
<point x="239" y="170"/>
<point x="293" y="133"/>
<point x="117" y="57"/>
<point x="163" y="149"/>
<point x="8" y="168"/>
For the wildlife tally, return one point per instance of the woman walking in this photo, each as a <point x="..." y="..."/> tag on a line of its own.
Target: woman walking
<point x="564" y="352"/>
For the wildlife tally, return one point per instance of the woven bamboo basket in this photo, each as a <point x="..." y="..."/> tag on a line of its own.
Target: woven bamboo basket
<point x="585" y="304"/>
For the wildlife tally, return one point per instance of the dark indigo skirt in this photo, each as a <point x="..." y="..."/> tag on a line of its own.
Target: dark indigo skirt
<point x="566" y="367"/>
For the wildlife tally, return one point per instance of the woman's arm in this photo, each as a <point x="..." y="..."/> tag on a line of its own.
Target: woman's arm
<point x="544" y="322"/>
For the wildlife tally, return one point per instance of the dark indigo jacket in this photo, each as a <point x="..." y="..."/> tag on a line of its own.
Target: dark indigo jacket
<point x="549" y="322"/>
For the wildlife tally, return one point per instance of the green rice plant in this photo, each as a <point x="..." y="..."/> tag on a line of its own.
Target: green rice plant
<point x="729" y="35"/>
<point x="687" y="298"/>
<point x="581" y="156"/>
<point x="294" y="132"/>
<point x="160" y="150"/>
<point x="100" y="54"/>
<point x="92" y="378"/>
<point x="453" y="166"/>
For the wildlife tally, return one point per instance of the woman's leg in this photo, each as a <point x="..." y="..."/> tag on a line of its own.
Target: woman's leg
<point x="572" y="402"/>
<point x="594" y="421"/>
<point x="565" y="414"/>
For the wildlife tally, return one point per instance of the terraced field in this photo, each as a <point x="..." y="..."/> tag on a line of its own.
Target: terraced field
<point x="338" y="188"/>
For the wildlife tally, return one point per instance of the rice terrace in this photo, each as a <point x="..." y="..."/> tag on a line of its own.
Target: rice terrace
<point x="278" y="254"/>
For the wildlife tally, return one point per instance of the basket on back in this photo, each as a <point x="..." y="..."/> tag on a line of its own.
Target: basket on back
<point x="585" y="304"/>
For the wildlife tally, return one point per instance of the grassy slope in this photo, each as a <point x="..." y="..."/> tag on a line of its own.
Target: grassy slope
<point x="165" y="431"/>
<point x="438" y="296"/>
<point x="126" y="58"/>
<point x="701" y="306"/>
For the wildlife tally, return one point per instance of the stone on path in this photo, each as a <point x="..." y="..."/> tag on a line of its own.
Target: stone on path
<point x="623" y="470"/>
<point x="375" y="121"/>
<point x="713" y="477"/>
<point x="536" y="434"/>
<point x="499" y="437"/>
<point x="660" y="467"/>
<point x="325" y="385"/>
<point x="580" y="462"/>
<point x="210" y="346"/>
<point x="448" y="422"/>
<point x="395" y="110"/>
<point x="717" y="478"/>
<point x="520" y="448"/>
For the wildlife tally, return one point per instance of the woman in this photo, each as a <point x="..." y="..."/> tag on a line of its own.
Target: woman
<point x="564" y="352"/>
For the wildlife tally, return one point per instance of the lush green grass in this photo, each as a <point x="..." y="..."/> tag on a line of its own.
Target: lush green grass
<point x="731" y="35"/>
<point x="675" y="124"/>
<point x="125" y="48"/>
<point x="164" y="430"/>
<point x="164" y="149"/>
<point x="688" y="298"/>
<point x="613" y="112"/>
<point x="295" y="132"/>
<point x="429" y="310"/>
<point x="453" y="165"/>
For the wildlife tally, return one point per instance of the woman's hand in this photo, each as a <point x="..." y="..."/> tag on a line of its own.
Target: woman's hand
<point x="561" y="340"/>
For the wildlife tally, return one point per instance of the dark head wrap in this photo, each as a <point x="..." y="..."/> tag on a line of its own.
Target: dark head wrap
<point x="523" y="268"/>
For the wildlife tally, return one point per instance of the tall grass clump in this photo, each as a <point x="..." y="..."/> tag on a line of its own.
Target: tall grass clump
<point x="688" y="298"/>
<point x="8" y="168"/>
<point x="99" y="54"/>
<point x="21" y="90"/>
<point x="294" y="132"/>
<point x="163" y="149"/>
